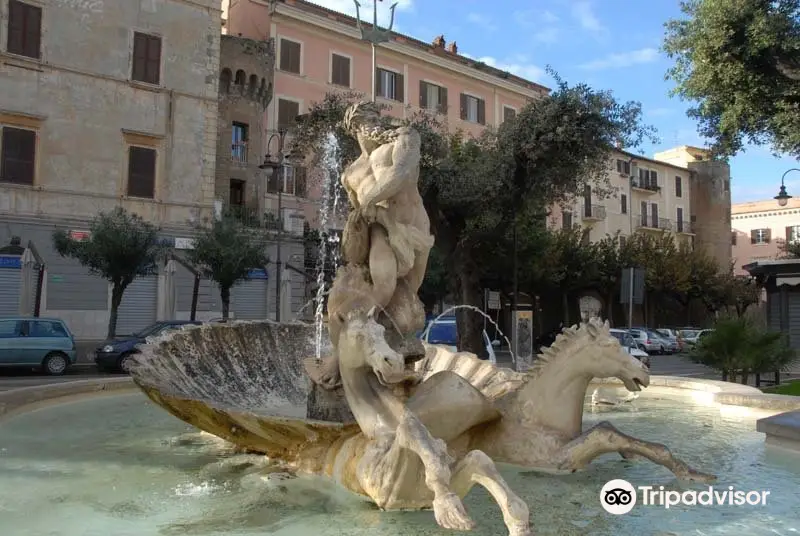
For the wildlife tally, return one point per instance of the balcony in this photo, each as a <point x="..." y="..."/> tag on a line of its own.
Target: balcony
<point x="648" y="222"/>
<point x="593" y="213"/>
<point x="684" y="227"/>
<point x="239" y="153"/>
<point x="644" y="186"/>
<point x="291" y="224"/>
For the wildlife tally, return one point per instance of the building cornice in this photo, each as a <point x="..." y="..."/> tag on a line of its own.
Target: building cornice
<point x="303" y="15"/>
<point x="637" y="157"/>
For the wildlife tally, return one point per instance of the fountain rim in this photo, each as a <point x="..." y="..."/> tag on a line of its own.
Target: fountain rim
<point x="25" y="399"/>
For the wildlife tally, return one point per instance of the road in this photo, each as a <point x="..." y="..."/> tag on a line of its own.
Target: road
<point x="16" y="378"/>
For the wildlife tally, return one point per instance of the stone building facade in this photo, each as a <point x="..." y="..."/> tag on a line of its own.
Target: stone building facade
<point x="104" y="105"/>
<point x="250" y="192"/>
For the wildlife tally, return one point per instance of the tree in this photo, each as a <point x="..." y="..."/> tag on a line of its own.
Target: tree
<point x="436" y="285"/>
<point x="120" y="247"/>
<point x="225" y="251"/>
<point x="571" y="265"/>
<point x="790" y="250"/>
<point x="739" y="60"/>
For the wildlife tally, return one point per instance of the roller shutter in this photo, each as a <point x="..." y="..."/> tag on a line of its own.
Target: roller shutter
<point x="139" y="305"/>
<point x="249" y="300"/>
<point x="10" y="282"/>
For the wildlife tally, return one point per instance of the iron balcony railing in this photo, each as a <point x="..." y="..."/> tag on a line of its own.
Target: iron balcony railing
<point x="290" y="224"/>
<point x="642" y="184"/>
<point x="239" y="153"/>
<point x="647" y="221"/>
<point x="684" y="227"/>
<point x="594" y="212"/>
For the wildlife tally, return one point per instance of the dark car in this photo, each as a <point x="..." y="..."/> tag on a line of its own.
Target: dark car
<point x="114" y="355"/>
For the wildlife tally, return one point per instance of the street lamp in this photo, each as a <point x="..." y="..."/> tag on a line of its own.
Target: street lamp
<point x="783" y="198"/>
<point x="274" y="166"/>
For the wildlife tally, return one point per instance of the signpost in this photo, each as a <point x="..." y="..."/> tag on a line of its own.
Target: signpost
<point x="632" y="289"/>
<point x="491" y="302"/>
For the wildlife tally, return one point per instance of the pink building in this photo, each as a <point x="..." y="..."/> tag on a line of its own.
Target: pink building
<point x="760" y="229"/>
<point x="320" y="50"/>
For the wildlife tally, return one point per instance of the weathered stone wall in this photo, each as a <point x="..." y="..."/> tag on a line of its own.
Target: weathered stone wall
<point x="711" y="207"/>
<point x="80" y="100"/>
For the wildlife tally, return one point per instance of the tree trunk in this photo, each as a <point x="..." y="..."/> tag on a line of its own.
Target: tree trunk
<point x="725" y="375"/>
<point x="470" y="323"/>
<point x="116" y="299"/>
<point x="745" y="376"/>
<point x="225" y="295"/>
<point x="565" y="307"/>
<point x="610" y="307"/>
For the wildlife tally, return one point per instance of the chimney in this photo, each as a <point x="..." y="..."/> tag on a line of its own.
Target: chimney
<point x="453" y="48"/>
<point x="439" y="42"/>
<point x="618" y="144"/>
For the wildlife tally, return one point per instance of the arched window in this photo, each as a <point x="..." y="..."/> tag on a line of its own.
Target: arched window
<point x="240" y="80"/>
<point x="253" y="85"/>
<point x="225" y="81"/>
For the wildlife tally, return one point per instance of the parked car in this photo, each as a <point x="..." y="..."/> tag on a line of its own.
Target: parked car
<point x="45" y="343"/>
<point x="114" y="355"/>
<point x="629" y="344"/>
<point x="444" y="331"/>
<point x="690" y="338"/>
<point x="648" y="341"/>
<point x="673" y="345"/>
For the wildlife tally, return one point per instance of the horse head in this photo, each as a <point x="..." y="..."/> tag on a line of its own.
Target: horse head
<point x="604" y="357"/>
<point x="362" y="344"/>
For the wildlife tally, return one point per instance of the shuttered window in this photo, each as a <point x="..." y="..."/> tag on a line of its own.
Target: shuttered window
<point x="17" y="155"/>
<point x="141" y="172"/>
<point x="678" y="187"/>
<point x="340" y="70"/>
<point x="287" y="113"/>
<point x="300" y="180"/>
<point x="509" y="113"/>
<point x="473" y="109"/>
<point x="432" y="97"/>
<point x="290" y="56"/>
<point x="146" y="58"/>
<point x="390" y="85"/>
<point x="24" y="29"/>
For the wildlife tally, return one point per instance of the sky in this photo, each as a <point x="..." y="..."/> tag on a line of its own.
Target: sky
<point x="608" y="44"/>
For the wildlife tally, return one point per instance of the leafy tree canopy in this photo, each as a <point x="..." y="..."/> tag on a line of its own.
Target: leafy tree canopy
<point x="120" y="247"/>
<point x="739" y="61"/>
<point x="225" y="250"/>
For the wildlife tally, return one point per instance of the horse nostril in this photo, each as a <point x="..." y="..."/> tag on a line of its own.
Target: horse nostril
<point x="387" y="360"/>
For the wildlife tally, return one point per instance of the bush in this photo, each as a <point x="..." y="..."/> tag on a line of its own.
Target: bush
<point x="740" y="346"/>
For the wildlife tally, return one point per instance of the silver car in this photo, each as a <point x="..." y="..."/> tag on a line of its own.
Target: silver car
<point x="650" y="344"/>
<point x="668" y="335"/>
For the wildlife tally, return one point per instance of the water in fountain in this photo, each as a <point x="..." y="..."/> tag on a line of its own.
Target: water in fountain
<point x="477" y="310"/>
<point x="328" y="207"/>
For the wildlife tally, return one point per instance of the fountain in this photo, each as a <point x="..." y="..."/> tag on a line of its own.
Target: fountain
<point x="418" y="426"/>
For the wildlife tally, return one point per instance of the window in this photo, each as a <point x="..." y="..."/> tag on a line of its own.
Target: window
<point x="46" y="328"/>
<point x="678" y="187"/>
<point x="473" y="109"/>
<point x="17" y="155"/>
<point x="239" y="143"/>
<point x="623" y="167"/>
<point x="648" y="179"/>
<point x="146" y="58"/>
<point x="643" y="215"/>
<point x="236" y="190"/>
<point x="622" y="241"/>
<point x="623" y="203"/>
<point x="287" y="113"/>
<point x="733" y="238"/>
<point x="290" y="56"/>
<point x="389" y="85"/>
<point x="432" y="97"/>
<point x="679" y="216"/>
<point x="760" y="236"/>
<point x="654" y="216"/>
<point x="340" y="70"/>
<point x="793" y="234"/>
<point x="24" y="29"/>
<point x="141" y="172"/>
<point x="587" y="201"/>
<point x="292" y="181"/>
<point x="10" y="329"/>
<point x="509" y="113"/>
<point x="566" y="219"/>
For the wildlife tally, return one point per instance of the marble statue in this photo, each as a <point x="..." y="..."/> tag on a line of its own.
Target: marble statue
<point x="428" y="421"/>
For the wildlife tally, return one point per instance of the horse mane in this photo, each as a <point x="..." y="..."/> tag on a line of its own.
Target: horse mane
<point x="565" y="344"/>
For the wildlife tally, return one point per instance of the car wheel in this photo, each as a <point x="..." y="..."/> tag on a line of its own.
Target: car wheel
<point x="124" y="363"/>
<point x="55" y="364"/>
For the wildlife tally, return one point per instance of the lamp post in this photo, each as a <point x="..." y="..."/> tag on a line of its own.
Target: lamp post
<point x="374" y="36"/>
<point x="783" y="198"/>
<point x="275" y="166"/>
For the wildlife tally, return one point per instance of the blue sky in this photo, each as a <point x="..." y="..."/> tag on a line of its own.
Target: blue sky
<point x="608" y="44"/>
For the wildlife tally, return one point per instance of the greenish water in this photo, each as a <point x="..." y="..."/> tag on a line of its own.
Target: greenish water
<point x="110" y="466"/>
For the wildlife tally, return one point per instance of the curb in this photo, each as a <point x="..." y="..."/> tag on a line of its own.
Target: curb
<point x="24" y="398"/>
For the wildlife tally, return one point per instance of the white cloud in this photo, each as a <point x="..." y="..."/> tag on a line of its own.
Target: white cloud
<point x="481" y="20"/>
<point x="660" y="112"/>
<point x="623" y="59"/>
<point x="583" y="13"/>
<point x="548" y="35"/>
<point x="349" y="8"/>
<point x="518" y="65"/>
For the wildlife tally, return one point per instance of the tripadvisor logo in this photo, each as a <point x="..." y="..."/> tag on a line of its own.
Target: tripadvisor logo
<point x="619" y="497"/>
